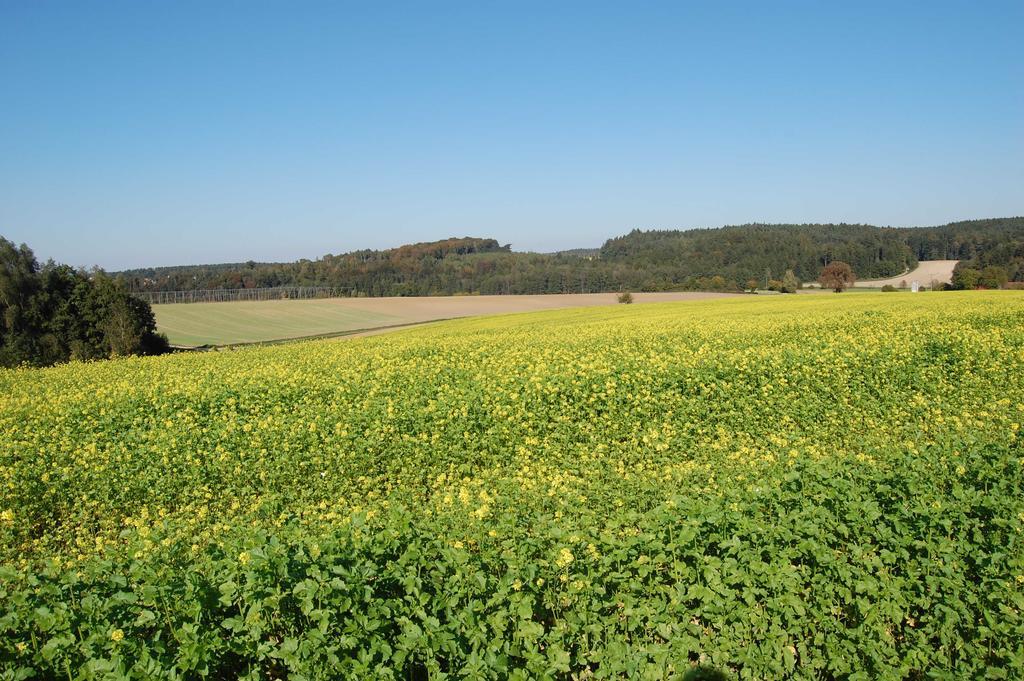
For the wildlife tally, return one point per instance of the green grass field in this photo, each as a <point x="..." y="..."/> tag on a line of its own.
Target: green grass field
<point x="196" y="324"/>
<point x="259" y="321"/>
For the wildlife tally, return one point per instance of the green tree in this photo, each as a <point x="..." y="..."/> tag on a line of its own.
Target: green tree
<point x="993" y="276"/>
<point x="56" y="313"/>
<point x="20" y="330"/>
<point x="966" y="278"/>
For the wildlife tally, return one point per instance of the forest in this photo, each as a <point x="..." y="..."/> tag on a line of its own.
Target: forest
<point x="53" y="313"/>
<point x="725" y="259"/>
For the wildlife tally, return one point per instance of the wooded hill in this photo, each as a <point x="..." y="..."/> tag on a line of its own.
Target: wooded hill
<point x="716" y="259"/>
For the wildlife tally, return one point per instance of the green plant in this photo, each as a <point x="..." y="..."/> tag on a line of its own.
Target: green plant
<point x="705" y="674"/>
<point x="795" y="488"/>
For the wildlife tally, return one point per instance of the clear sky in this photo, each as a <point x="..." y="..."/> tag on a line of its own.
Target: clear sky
<point x="154" y="133"/>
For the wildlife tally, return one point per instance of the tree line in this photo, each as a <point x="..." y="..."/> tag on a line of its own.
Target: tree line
<point x="53" y="313"/>
<point x="723" y="259"/>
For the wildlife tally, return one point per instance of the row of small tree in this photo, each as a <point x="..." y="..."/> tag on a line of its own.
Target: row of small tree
<point x="836" y="275"/>
<point x="54" y="313"/>
<point x="788" y="284"/>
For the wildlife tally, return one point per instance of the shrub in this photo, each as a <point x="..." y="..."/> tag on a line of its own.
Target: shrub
<point x="790" y="284"/>
<point x="626" y="298"/>
<point x="888" y="288"/>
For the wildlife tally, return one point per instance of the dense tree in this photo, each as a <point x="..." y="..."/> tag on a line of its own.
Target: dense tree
<point x="20" y="325"/>
<point x="837" y="275"/>
<point x="965" y="278"/>
<point x="638" y="261"/>
<point x="54" y="313"/>
<point x="747" y="251"/>
<point x="980" y="243"/>
<point x="993" y="276"/>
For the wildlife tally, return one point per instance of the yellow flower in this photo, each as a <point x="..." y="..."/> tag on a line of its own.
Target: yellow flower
<point x="244" y="557"/>
<point x="517" y="585"/>
<point x="564" y="558"/>
<point x="116" y="635"/>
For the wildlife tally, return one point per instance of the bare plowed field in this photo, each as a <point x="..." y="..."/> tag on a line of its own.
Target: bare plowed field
<point x="926" y="272"/>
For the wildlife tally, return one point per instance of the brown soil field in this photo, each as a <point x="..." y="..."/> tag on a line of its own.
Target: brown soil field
<point x="926" y="272"/>
<point x="428" y="309"/>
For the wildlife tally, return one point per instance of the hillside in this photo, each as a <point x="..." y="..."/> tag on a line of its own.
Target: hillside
<point x="700" y="259"/>
<point x="747" y="251"/>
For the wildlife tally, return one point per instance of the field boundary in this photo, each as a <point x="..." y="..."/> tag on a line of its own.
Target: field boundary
<point x="323" y="336"/>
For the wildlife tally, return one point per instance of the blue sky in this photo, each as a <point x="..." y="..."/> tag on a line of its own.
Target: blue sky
<point x="143" y="133"/>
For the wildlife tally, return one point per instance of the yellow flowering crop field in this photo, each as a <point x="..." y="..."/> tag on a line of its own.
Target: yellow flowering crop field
<point x="804" y="487"/>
